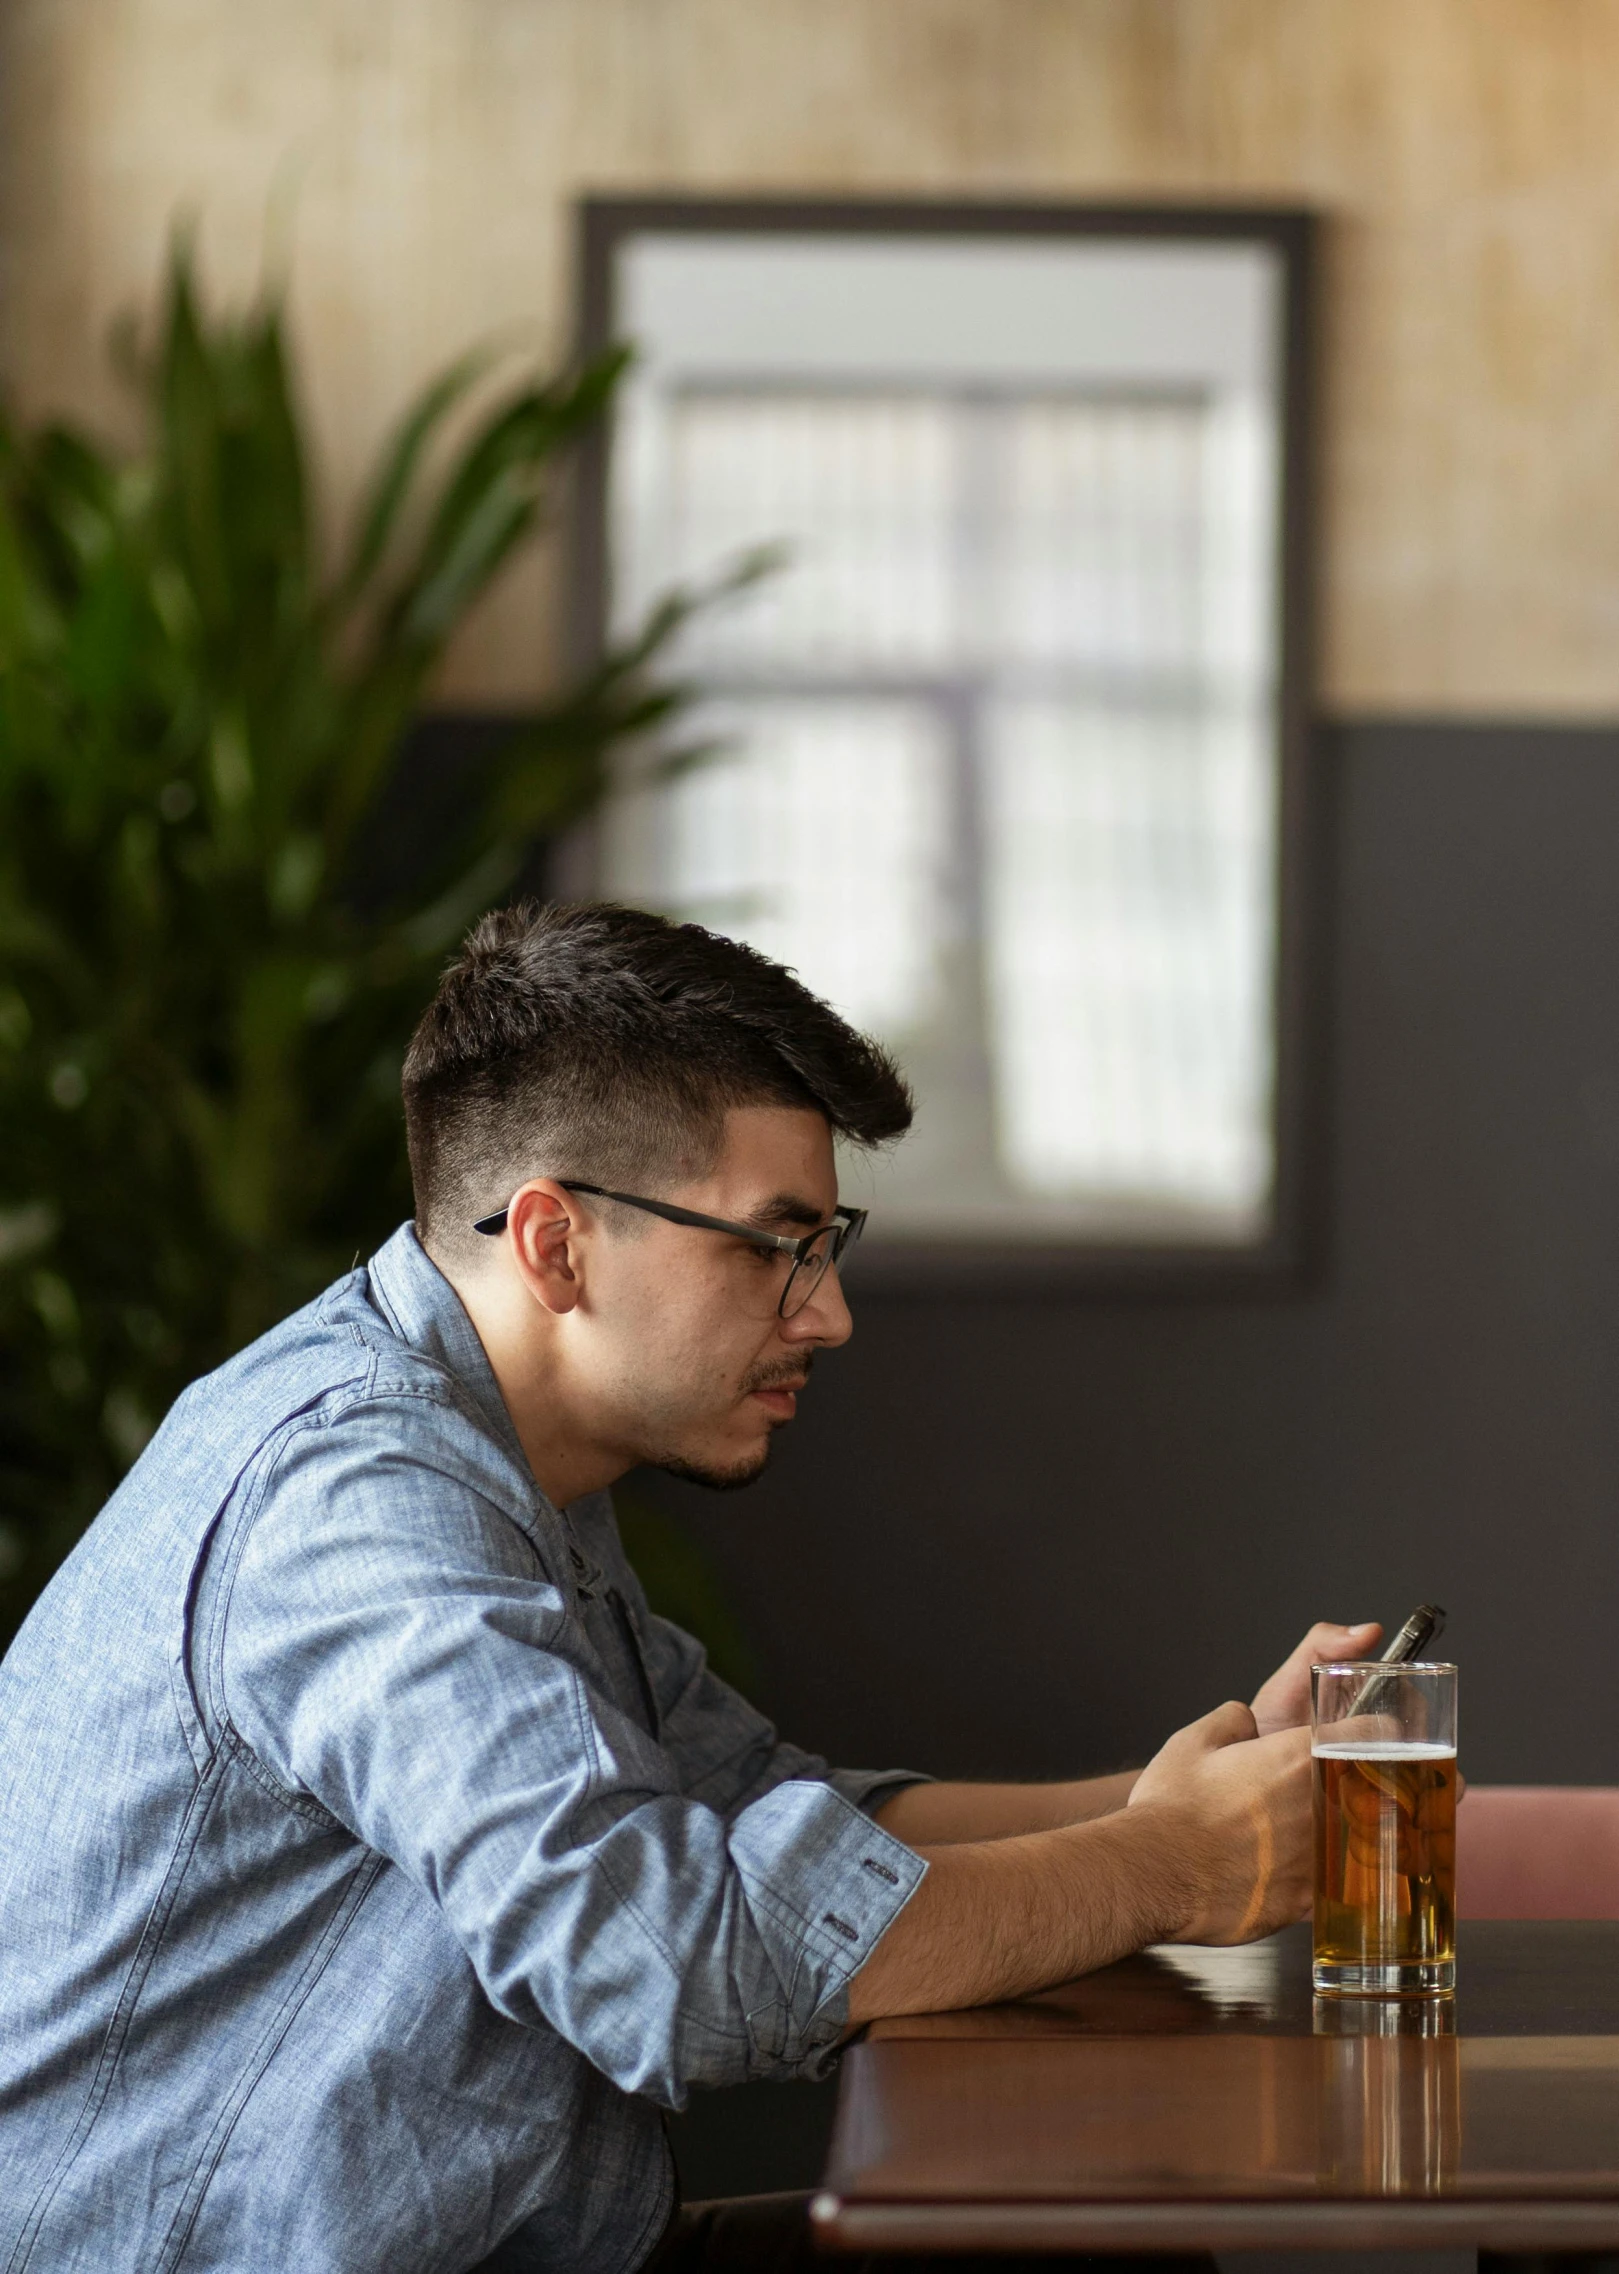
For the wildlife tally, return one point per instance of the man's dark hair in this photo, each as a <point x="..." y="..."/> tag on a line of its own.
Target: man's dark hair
<point x="606" y="1044"/>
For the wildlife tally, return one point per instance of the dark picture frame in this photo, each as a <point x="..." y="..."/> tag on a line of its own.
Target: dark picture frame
<point x="1291" y="1248"/>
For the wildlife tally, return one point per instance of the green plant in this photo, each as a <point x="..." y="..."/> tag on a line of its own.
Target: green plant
<point x="201" y="1021"/>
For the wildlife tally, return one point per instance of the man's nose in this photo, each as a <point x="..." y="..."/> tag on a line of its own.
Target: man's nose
<point x="825" y="1317"/>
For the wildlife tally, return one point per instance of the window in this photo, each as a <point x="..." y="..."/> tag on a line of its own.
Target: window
<point x="1005" y="738"/>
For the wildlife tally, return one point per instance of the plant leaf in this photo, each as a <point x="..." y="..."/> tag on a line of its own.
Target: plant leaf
<point x="390" y="483"/>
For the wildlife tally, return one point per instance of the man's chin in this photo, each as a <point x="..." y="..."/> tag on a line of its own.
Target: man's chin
<point x="716" y="1476"/>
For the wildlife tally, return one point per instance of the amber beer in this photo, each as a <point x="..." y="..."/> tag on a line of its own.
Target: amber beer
<point x="1385" y="1839"/>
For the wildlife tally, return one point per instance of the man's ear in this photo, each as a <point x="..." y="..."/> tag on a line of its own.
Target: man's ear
<point x="542" y="1236"/>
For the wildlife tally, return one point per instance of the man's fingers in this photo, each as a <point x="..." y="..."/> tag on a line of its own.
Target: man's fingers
<point x="1228" y="1724"/>
<point x="1326" y="1640"/>
<point x="1349" y="1642"/>
<point x="1284" y="1748"/>
<point x="1285" y="1698"/>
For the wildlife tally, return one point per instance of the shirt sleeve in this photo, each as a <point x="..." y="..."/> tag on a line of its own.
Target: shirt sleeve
<point x="388" y="1642"/>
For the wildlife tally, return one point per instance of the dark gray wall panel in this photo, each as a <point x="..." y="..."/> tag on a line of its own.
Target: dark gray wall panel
<point x="1031" y="1536"/>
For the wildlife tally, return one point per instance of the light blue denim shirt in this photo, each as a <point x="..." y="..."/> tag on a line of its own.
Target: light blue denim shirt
<point x="374" y="1865"/>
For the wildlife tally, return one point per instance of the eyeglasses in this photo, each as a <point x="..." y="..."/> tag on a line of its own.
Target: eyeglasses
<point x="812" y="1254"/>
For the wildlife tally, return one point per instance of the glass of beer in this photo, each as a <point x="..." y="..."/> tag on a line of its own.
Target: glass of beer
<point x="1384" y="1746"/>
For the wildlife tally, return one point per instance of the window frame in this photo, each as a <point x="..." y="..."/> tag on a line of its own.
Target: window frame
<point x="1289" y="1253"/>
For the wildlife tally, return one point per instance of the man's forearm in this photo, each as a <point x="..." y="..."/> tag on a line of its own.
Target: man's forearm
<point x="1000" y="1918"/>
<point x="939" y="1815"/>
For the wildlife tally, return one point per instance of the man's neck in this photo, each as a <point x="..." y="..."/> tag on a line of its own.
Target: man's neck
<point x="567" y="1462"/>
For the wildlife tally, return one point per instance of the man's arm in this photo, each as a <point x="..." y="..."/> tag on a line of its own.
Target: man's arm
<point x="390" y="1643"/>
<point x="1214" y="1846"/>
<point x="942" y="1815"/>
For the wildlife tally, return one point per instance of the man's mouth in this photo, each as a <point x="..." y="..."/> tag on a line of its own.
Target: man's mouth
<point x="780" y="1398"/>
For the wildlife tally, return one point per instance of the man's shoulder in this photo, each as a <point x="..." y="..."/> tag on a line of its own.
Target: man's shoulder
<point x="371" y="1461"/>
<point x="336" y="1355"/>
<point x="341" y="1379"/>
<point x="337" y="1383"/>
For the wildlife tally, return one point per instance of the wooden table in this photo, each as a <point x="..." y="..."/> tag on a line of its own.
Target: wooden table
<point x="1202" y="2099"/>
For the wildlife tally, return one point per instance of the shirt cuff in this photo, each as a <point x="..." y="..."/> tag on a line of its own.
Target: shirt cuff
<point x="821" y="1875"/>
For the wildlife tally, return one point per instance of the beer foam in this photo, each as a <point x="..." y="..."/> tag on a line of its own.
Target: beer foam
<point x="1384" y="1749"/>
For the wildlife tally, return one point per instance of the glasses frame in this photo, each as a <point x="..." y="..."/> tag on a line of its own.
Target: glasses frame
<point x="845" y="1224"/>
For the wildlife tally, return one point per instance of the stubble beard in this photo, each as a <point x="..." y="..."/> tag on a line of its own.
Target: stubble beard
<point x="733" y="1479"/>
<point x="736" y="1475"/>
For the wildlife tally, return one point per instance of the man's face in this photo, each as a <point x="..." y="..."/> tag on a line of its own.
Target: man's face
<point x="694" y="1367"/>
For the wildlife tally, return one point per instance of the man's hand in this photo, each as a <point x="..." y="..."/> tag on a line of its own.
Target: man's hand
<point x="1284" y="1701"/>
<point x="1214" y="1846"/>
<point x="1243" y="1803"/>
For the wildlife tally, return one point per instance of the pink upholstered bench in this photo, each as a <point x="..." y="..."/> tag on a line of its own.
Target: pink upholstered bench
<point x="1538" y="1852"/>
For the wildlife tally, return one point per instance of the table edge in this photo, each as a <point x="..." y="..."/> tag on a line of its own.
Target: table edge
<point x="1347" y="2224"/>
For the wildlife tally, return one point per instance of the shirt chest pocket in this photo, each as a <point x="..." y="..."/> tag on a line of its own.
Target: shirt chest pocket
<point x="610" y="1623"/>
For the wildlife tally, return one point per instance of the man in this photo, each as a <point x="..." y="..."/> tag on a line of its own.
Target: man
<point x="373" y="1864"/>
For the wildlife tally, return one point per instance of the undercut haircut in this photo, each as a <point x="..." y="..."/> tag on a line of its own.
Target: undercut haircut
<point x="605" y="1044"/>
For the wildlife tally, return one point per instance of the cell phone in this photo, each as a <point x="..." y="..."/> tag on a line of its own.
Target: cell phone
<point x="1419" y="1630"/>
<point x="1426" y="1621"/>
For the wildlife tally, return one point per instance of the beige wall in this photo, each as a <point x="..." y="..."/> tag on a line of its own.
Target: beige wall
<point x="1467" y="152"/>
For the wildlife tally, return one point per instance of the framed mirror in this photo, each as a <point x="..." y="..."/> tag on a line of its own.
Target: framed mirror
<point x="1012" y="740"/>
